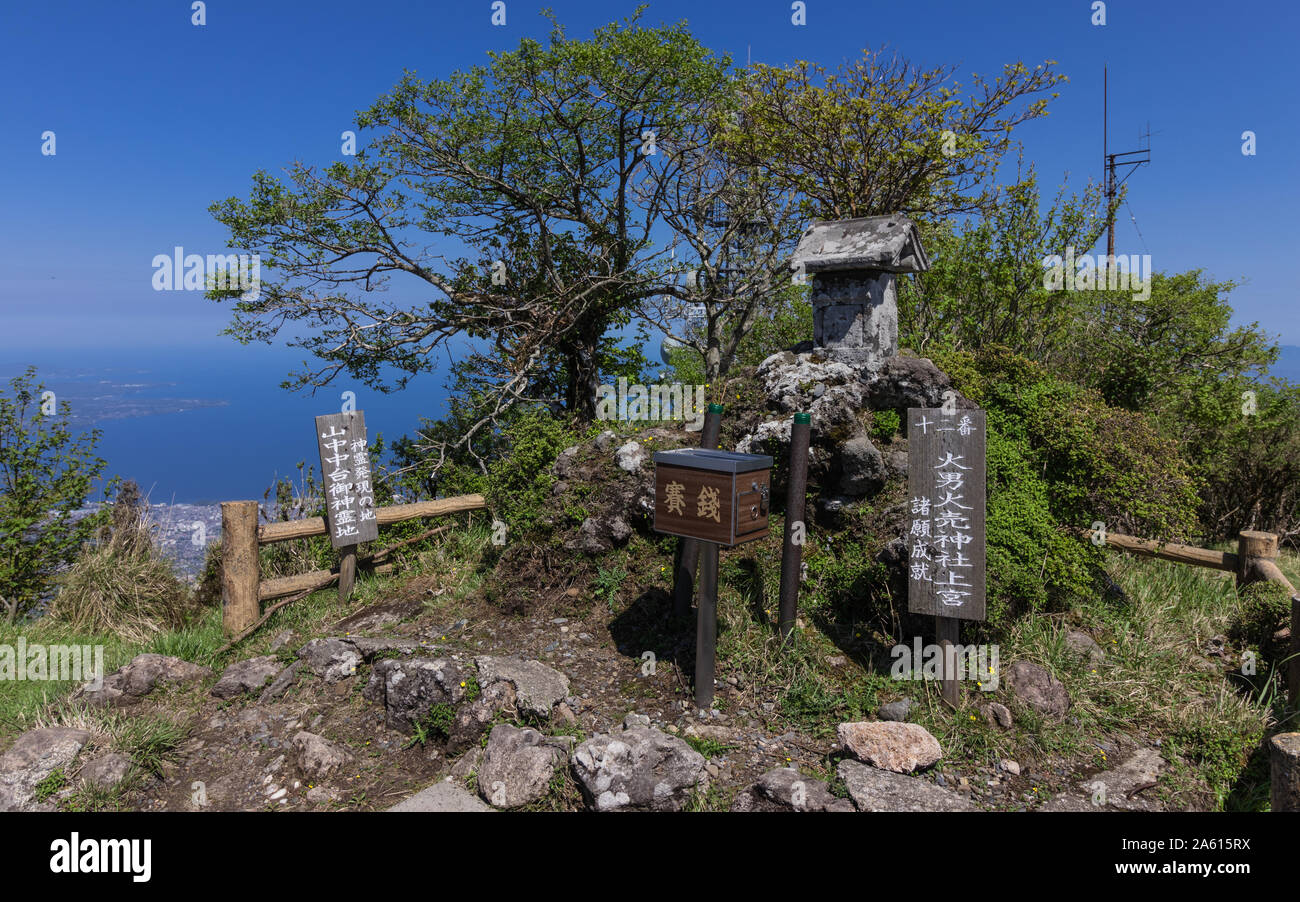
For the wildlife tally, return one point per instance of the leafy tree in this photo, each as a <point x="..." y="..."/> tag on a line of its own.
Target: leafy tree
<point x="881" y="135"/>
<point x="540" y="160"/>
<point x="985" y="286"/>
<point x="45" y="476"/>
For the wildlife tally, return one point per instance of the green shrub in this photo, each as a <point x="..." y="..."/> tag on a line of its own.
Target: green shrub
<point x="518" y="484"/>
<point x="885" y="425"/>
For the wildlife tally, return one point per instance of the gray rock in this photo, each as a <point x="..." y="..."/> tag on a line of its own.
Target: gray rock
<point x="910" y="382"/>
<point x="898" y="747"/>
<point x="638" y="720"/>
<point x="600" y="534"/>
<point x="280" y="685"/>
<point x="331" y="659"/>
<point x="107" y="770"/>
<point x="281" y="639"/>
<point x="317" y="757"/>
<point x="517" y="767"/>
<point x="997" y="714"/>
<point x="1141" y="769"/>
<point x="441" y="797"/>
<point x="34" y="756"/>
<point x="1083" y="645"/>
<point x="1037" y="688"/>
<point x="862" y="468"/>
<point x="246" y="676"/>
<point x="895" y="710"/>
<point x="142" y="675"/>
<point x="873" y="789"/>
<point x="792" y="790"/>
<point x="409" y="687"/>
<point x="371" y="647"/>
<point x="641" y="768"/>
<point x="378" y="615"/>
<point x="630" y="457"/>
<point x="538" y="687"/>
<point x="473" y="717"/>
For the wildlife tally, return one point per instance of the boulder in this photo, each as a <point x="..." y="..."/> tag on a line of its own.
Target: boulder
<point x="909" y="382"/>
<point x="331" y="659"/>
<point x="516" y="768"/>
<point x="862" y="468"/>
<point x="378" y="615"/>
<point x="873" y="789"/>
<point x="106" y="771"/>
<point x="1084" y="646"/>
<point x="790" y="789"/>
<point x="441" y="797"/>
<point x="247" y="676"/>
<point x="317" y="757"/>
<point x="898" y="747"/>
<point x="280" y="685"/>
<point x="896" y="711"/>
<point x="473" y="717"/>
<point x="640" y="768"/>
<point x="997" y="714"/>
<point x="630" y="457"/>
<point x="1037" y="688"/>
<point x="537" y="686"/>
<point x="34" y="756"/>
<point x="142" y="675"/>
<point x="409" y="687"/>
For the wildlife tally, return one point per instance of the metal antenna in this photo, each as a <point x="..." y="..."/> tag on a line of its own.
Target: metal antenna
<point x="1114" y="161"/>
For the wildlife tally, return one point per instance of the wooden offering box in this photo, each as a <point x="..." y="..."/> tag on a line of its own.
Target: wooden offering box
<point x="714" y="496"/>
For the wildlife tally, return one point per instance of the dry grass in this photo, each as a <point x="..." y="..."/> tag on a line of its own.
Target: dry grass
<point x="121" y="584"/>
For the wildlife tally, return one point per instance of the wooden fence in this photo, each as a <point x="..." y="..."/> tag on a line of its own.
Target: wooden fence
<point x="242" y="587"/>
<point x="1255" y="561"/>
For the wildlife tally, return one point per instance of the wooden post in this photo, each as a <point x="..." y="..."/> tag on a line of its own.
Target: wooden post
<point x="239" y="565"/>
<point x="1252" y="547"/>
<point x="688" y="550"/>
<point x="1293" y="672"/>
<point x="796" y="498"/>
<point x="1284" y="776"/>
<point x="948" y="631"/>
<point x="706" y="631"/>
<point x="347" y="572"/>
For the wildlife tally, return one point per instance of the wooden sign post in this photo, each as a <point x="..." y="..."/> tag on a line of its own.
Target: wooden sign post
<point x="349" y="495"/>
<point x="719" y="498"/>
<point x="946" y="531"/>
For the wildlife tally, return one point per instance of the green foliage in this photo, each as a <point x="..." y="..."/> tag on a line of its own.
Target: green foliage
<point x="880" y="135"/>
<point x="56" y="780"/>
<point x="1100" y="463"/>
<point x="436" y="724"/>
<point x="45" y="475"/>
<point x="607" y="583"/>
<point x="885" y="424"/>
<point x="518" y="483"/>
<point x="985" y="286"/>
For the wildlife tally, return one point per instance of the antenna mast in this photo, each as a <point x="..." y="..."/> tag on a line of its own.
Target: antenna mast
<point x="1111" y="161"/>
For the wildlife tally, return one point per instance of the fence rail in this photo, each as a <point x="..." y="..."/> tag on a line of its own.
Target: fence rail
<point x="243" y="589"/>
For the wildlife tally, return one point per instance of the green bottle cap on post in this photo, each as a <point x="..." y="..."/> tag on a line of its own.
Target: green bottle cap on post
<point x="716" y="408"/>
<point x="802" y="419"/>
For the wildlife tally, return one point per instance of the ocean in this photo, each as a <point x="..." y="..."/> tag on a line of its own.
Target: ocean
<point x="204" y="426"/>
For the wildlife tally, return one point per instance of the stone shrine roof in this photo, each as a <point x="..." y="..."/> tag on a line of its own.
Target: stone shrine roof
<point x="879" y="243"/>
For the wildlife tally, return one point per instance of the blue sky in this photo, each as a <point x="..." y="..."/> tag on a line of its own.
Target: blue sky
<point x="156" y="118"/>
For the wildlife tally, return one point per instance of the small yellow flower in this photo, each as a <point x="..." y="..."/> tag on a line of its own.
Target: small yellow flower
<point x="462" y="684"/>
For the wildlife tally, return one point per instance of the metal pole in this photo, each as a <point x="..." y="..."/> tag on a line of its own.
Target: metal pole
<point x="796" y="497"/>
<point x="706" y="630"/>
<point x="689" y="549"/>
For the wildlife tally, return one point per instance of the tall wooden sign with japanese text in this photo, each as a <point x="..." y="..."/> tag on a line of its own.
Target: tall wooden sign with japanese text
<point x="345" y="468"/>
<point x="946" y="513"/>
